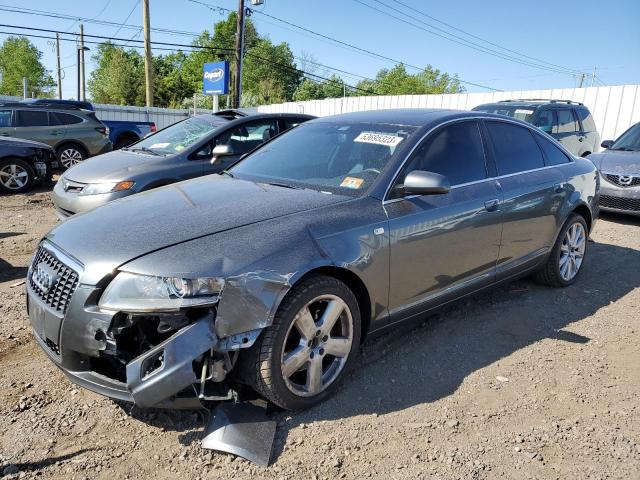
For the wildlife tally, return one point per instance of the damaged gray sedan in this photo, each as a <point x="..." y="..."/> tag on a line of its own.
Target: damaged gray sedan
<point x="270" y="275"/>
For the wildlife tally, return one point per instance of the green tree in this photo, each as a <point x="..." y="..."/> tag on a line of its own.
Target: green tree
<point x="118" y="77"/>
<point x="171" y="85"/>
<point x="20" y="58"/>
<point x="397" y="81"/>
<point x="334" y="87"/>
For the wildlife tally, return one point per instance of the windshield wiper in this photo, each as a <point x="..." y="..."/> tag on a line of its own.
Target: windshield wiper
<point x="228" y="173"/>
<point x="283" y="185"/>
<point x="145" y="150"/>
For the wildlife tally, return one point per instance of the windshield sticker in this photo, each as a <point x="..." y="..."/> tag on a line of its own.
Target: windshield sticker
<point x="160" y="145"/>
<point x="179" y="148"/>
<point x="526" y="112"/>
<point x="352" y="182"/>
<point x="378" y="139"/>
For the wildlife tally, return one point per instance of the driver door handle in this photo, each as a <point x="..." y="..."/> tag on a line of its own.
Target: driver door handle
<point x="491" y="205"/>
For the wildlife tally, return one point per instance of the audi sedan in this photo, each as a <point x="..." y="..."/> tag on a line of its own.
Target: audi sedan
<point x="272" y="274"/>
<point x="619" y="166"/>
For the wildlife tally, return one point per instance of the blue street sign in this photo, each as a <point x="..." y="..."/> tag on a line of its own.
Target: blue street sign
<point x="215" y="78"/>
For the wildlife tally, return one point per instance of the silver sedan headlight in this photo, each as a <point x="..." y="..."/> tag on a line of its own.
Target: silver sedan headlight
<point x="98" y="188"/>
<point x="130" y="292"/>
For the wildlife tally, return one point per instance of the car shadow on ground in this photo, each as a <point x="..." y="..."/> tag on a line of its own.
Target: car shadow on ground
<point x="420" y="365"/>
<point x="37" y="466"/>
<point x="8" y="272"/>
<point x="412" y="366"/>
<point x="620" y="218"/>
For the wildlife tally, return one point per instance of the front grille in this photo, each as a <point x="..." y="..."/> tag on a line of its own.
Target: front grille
<point x="615" y="179"/>
<point x="53" y="346"/>
<point x="618" y="203"/>
<point x="66" y="281"/>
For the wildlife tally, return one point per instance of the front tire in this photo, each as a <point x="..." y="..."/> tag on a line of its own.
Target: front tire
<point x="567" y="256"/>
<point x="16" y="175"/>
<point x="300" y="359"/>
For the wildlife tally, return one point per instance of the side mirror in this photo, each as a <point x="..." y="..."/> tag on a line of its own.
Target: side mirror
<point x="220" y="151"/>
<point x="546" y="128"/>
<point x="419" y="182"/>
<point x="607" y="144"/>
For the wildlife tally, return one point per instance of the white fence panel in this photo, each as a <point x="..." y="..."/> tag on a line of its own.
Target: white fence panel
<point x="614" y="109"/>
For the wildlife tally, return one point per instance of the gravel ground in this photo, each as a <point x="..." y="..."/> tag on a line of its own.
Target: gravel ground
<point x="520" y="382"/>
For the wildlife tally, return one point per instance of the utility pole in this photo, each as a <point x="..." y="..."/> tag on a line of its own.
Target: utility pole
<point x="148" y="66"/>
<point x="82" y="84"/>
<point x="239" y="51"/>
<point x="582" y="75"/>
<point x="58" y="64"/>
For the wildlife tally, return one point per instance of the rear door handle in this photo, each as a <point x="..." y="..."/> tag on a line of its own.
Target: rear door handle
<point x="491" y="205"/>
<point x="581" y="139"/>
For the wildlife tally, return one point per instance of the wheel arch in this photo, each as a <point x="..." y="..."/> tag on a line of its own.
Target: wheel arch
<point x="76" y="143"/>
<point x="585" y="212"/>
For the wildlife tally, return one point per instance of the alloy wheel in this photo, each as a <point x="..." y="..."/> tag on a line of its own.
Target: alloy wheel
<point x="572" y="251"/>
<point x="317" y="345"/>
<point x="14" y="177"/>
<point x="70" y="156"/>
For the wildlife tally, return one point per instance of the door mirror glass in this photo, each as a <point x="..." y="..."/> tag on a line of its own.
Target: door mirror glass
<point x="419" y="182"/>
<point x="607" y="144"/>
<point x="221" y="151"/>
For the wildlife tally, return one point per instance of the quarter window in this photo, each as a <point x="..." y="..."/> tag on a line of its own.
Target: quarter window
<point x="5" y="118"/>
<point x="65" y="118"/>
<point x="554" y="156"/>
<point x="455" y="151"/>
<point x="514" y="148"/>
<point x="566" y="122"/>
<point x="34" y="118"/>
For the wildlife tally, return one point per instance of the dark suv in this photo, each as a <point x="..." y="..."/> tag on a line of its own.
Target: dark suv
<point x="74" y="133"/>
<point x="570" y="123"/>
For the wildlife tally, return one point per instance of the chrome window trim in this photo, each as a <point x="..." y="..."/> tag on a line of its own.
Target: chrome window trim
<point x="533" y="129"/>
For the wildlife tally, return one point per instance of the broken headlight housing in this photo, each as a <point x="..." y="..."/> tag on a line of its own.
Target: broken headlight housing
<point x="130" y="292"/>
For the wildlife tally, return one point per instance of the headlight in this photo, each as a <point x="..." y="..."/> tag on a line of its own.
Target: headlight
<point x="130" y="292"/>
<point x="97" y="188"/>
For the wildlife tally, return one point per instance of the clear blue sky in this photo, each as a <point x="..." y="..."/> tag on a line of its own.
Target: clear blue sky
<point x="577" y="35"/>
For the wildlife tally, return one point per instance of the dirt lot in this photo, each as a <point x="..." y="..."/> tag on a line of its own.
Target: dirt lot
<point x="522" y="382"/>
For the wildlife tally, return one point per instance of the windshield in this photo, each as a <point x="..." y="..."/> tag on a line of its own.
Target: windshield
<point x="630" y="140"/>
<point x="179" y="136"/>
<point x="521" y="113"/>
<point x="343" y="158"/>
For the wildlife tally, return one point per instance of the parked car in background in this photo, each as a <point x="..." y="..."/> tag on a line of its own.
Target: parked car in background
<point x="121" y="133"/>
<point x="570" y="123"/>
<point x="272" y="275"/>
<point x="196" y="146"/>
<point x="619" y="167"/>
<point x="75" y="134"/>
<point x="23" y="163"/>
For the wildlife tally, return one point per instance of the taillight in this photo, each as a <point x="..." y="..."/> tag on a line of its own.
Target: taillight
<point x="103" y="130"/>
<point x="154" y="129"/>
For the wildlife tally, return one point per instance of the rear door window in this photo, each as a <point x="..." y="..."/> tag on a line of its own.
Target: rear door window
<point x="32" y="118"/>
<point x="5" y="118"/>
<point x="514" y="148"/>
<point x="566" y="121"/>
<point x="455" y="151"/>
<point x="588" y="125"/>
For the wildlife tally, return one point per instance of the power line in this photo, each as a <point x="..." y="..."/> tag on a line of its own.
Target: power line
<point x="456" y="38"/>
<point x="128" y="17"/>
<point x="477" y="37"/>
<point x="354" y="47"/>
<point x="225" y="51"/>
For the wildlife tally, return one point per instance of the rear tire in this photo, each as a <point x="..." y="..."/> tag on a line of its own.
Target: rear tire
<point x="567" y="256"/>
<point x="16" y="175"/>
<point x="299" y="360"/>
<point x="70" y="154"/>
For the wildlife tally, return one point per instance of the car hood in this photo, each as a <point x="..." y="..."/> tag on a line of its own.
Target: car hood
<point x="20" y="142"/>
<point x="113" y="167"/>
<point x="617" y="161"/>
<point x="120" y="231"/>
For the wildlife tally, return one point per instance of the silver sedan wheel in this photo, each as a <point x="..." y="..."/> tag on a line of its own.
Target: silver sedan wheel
<point x="70" y="156"/>
<point x="317" y="345"/>
<point x="14" y="177"/>
<point x="572" y="251"/>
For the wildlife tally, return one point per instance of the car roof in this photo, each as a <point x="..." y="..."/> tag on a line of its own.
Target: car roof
<point x="415" y="117"/>
<point x="251" y="116"/>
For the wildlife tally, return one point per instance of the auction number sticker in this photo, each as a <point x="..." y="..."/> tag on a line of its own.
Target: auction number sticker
<point x="526" y="112"/>
<point x="352" y="182"/>
<point x="378" y="139"/>
<point x="160" y="145"/>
